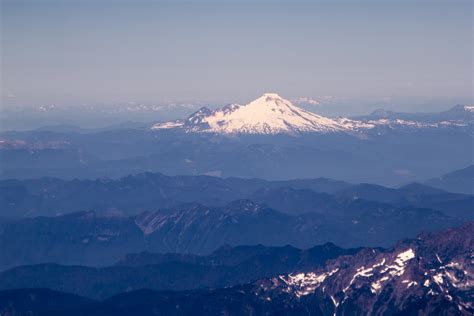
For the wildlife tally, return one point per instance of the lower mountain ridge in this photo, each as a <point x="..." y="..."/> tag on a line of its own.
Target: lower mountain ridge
<point x="226" y="266"/>
<point x="87" y="238"/>
<point x="429" y="275"/>
<point x="461" y="181"/>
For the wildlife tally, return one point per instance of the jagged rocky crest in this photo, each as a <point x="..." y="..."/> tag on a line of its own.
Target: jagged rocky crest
<point x="433" y="274"/>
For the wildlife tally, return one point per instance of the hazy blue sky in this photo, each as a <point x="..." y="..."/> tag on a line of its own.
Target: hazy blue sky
<point x="66" y="52"/>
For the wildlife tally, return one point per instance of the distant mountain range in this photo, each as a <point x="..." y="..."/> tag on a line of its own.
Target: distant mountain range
<point x="149" y="192"/>
<point x="271" y="114"/>
<point x="430" y="275"/>
<point x="198" y="214"/>
<point x="458" y="113"/>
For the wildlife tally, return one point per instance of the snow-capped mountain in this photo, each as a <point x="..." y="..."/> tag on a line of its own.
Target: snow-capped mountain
<point x="269" y="114"/>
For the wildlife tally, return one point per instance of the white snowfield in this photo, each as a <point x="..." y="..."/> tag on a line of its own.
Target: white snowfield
<point x="304" y="283"/>
<point x="167" y="125"/>
<point x="469" y="108"/>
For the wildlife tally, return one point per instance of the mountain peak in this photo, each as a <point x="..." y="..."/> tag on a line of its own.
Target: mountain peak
<point x="271" y="95"/>
<point x="270" y="99"/>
